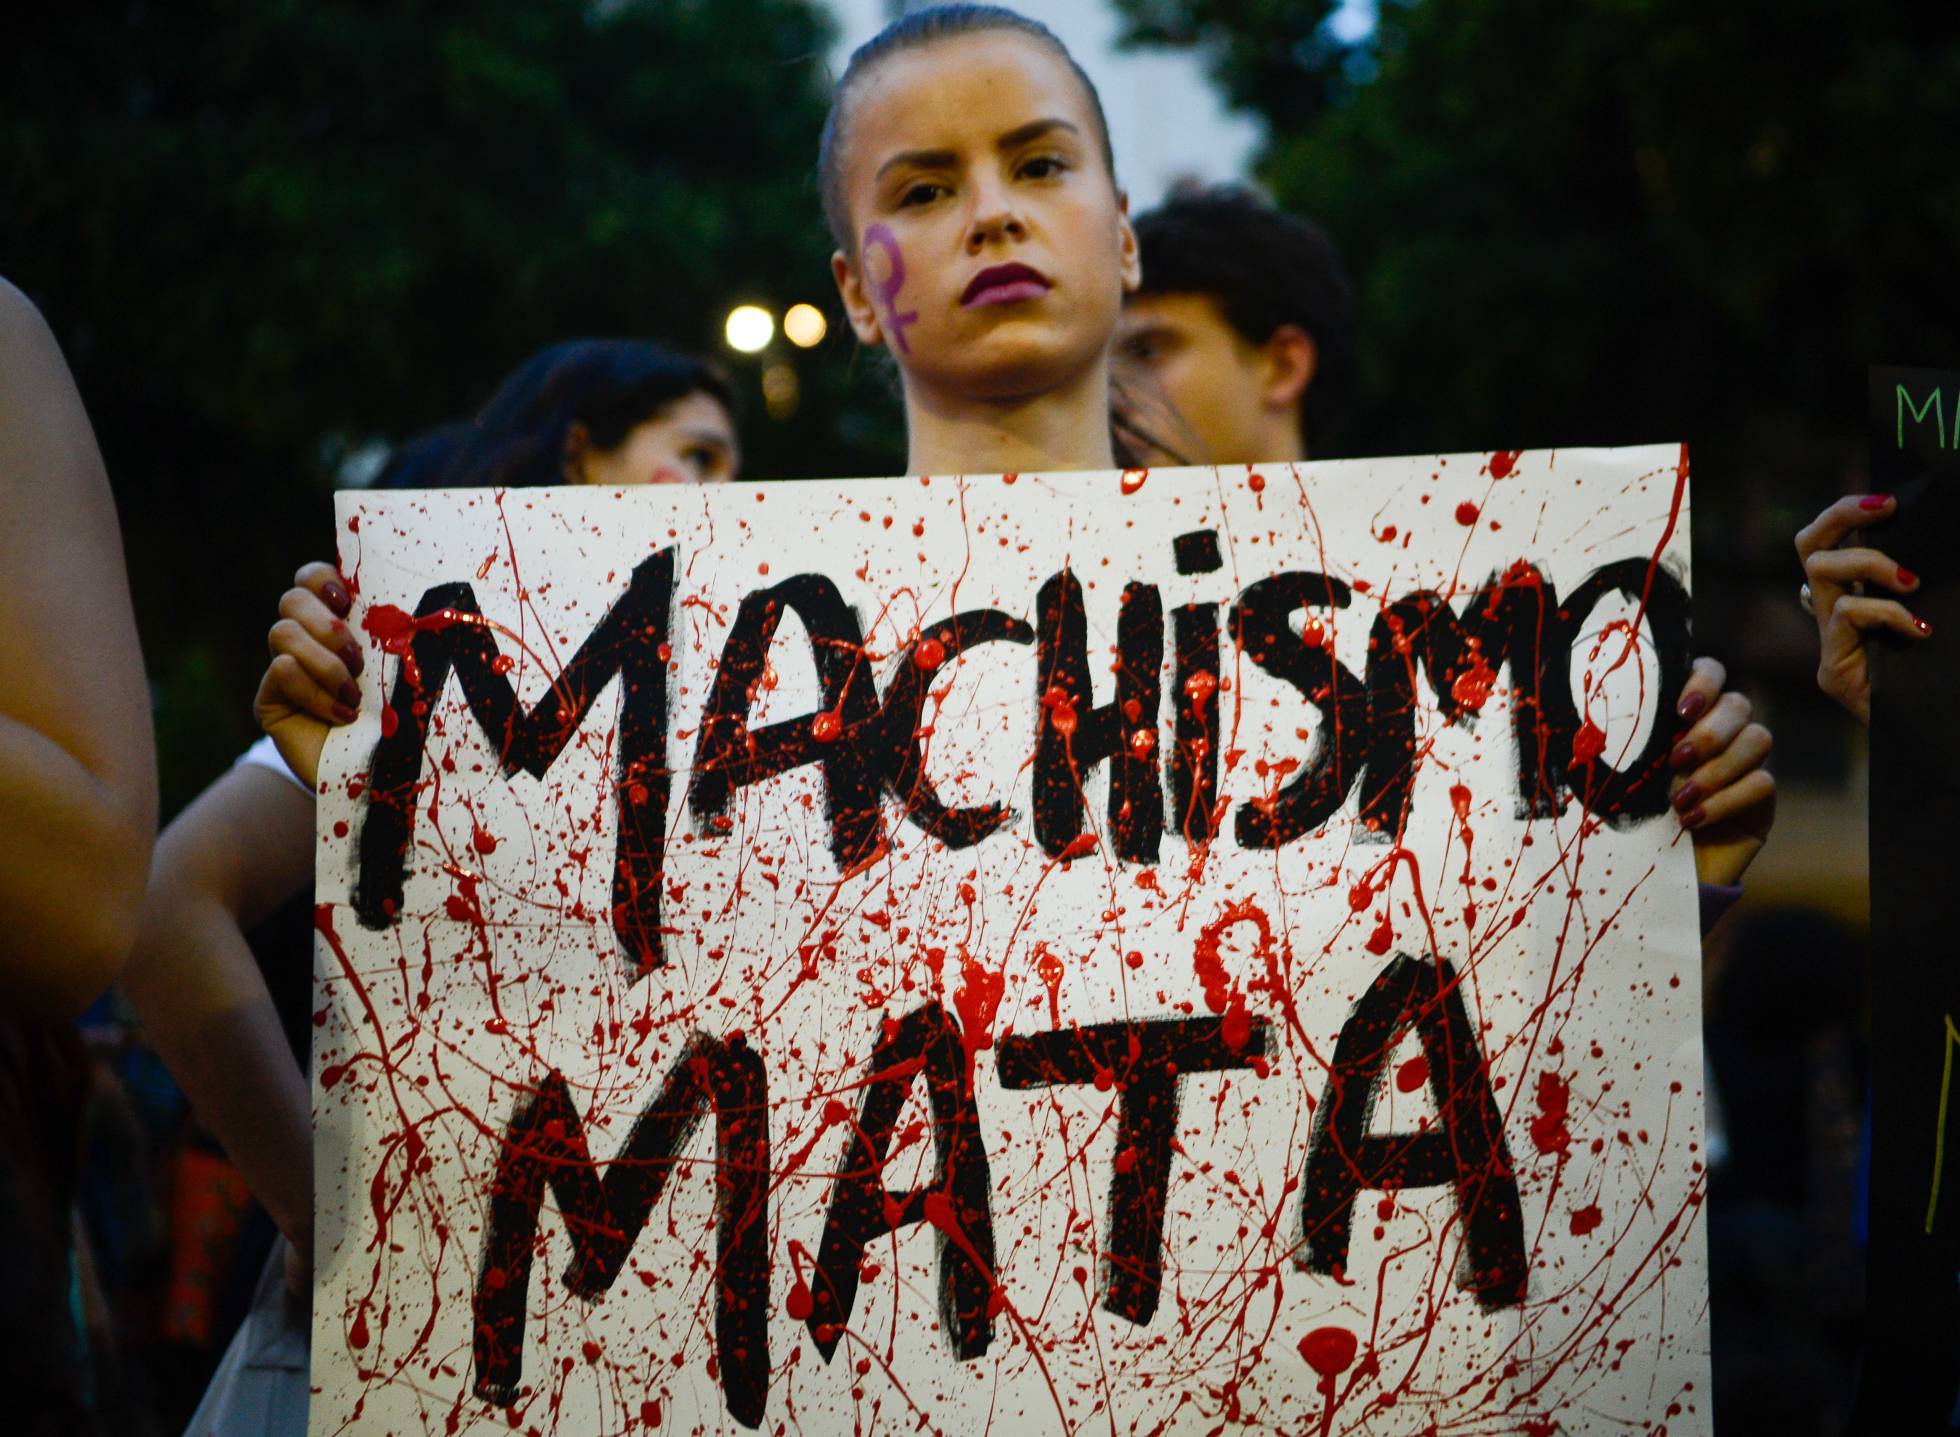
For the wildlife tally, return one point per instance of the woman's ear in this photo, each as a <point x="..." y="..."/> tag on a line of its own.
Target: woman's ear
<point x="578" y="444"/>
<point x="857" y="304"/>
<point x="1129" y="254"/>
<point x="1291" y="360"/>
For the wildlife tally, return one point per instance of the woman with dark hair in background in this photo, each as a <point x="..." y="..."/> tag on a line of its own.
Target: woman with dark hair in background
<point x="610" y="412"/>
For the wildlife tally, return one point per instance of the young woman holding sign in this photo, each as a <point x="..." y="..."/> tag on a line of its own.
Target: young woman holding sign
<point x="982" y="238"/>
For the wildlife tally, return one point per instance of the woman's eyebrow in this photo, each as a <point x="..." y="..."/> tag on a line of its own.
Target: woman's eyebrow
<point x="1032" y="131"/>
<point x="920" y="159"/>
<point x="946" y="159"/>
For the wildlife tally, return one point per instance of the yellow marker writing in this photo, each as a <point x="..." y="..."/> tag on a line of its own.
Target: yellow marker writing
<point x="1939" y="1135"/>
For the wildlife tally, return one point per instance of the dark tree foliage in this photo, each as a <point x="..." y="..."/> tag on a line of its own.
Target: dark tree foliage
<point x="267" y="232"/>
<point x="1263" y="53"/>
<point x="1614" y="221"/>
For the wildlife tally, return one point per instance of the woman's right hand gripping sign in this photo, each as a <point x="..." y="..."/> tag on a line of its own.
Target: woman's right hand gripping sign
<point x="1836" y="576"/>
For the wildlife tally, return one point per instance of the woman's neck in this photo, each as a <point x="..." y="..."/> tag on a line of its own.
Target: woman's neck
<point x="1062" y="428"/>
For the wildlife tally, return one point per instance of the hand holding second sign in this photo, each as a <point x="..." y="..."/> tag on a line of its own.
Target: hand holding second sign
<point x="1721" y="790"/>
<point x="1836" y="576"/>
<point x="310" y="685"/>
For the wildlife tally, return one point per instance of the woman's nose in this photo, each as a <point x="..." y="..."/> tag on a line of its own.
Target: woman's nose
<point x="994" y="217"/>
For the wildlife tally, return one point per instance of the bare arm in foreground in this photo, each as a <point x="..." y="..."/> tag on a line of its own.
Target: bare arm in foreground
<point x="77" y="764"/>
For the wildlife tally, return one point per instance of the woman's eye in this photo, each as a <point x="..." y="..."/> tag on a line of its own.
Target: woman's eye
<point x="702" y="458"/>
<point x="1043" y="167"/>
<point x="920" y="194"/>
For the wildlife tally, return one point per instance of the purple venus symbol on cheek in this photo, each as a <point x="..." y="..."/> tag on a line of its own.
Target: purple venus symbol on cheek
<point x="885" y="287"/>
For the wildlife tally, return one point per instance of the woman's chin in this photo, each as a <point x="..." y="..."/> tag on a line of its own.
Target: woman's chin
<point x="1005" y="368"/>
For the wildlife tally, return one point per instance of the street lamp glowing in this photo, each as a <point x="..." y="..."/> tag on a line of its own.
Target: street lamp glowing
<point x="750" y="328"/>
<point x="804" y="325"/>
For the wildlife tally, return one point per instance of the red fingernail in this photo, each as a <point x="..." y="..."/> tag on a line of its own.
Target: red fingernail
<point x="1689" y="820"/>
<point x="350" y="655"/>
<point x="1689" y="797"/>
<point x="1874" y="501"/>
<point x="1907" y="577"/>
<point x="1685" y="756"/>
<point x="1922" y="626"/>
<point x="336" y="598"/>
<point x="343" y="714"/>
<point x="350" y="695"/>
<point x="1691" y="705"/>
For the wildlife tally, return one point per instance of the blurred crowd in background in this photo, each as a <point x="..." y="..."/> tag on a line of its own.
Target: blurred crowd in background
<point x="275" y="239"/>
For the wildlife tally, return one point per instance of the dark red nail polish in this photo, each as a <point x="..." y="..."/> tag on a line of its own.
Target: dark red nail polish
<point x="350" y="695"/>
<point x="343" y="714"/>
<point x="1922" y="626"/>
<point x="1874" y="501"/>
<point x="1690" y="819"/>
<point x="350" y="655"/>
<point x="1688" y="797"/>
<point x="1685" y="756"/>
<point x="335" y="598"/>
<point x="1906" y="577"/>
<point x="1691" y="706"/>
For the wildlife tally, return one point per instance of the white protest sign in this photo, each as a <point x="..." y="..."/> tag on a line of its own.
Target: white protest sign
<point x="1133" y="952"/>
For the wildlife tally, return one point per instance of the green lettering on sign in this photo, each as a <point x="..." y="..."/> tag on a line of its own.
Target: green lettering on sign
<point x="1919" y="412"/>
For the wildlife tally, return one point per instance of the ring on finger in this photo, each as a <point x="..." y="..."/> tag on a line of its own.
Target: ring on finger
<point x="1804" y="598"/>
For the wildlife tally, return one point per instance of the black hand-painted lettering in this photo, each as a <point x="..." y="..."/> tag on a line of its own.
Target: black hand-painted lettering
<point x="453" y="637"/>
<point x="905" y="703"/>
<point x="1508" y="627"/>
<point x="1074" y="735"/>
<point x="1146" y="1062"/>
<point x="1194" y="695"/>
<point x="1464" y="1149"/>
<point x="1623" y="796"/>
<point x="545" y="1146"/>
<point x="925" y="1043"/>
<point x="1262" y="627"/>
<point x="842" y="739"/>
<point x="1197" y="552"/>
